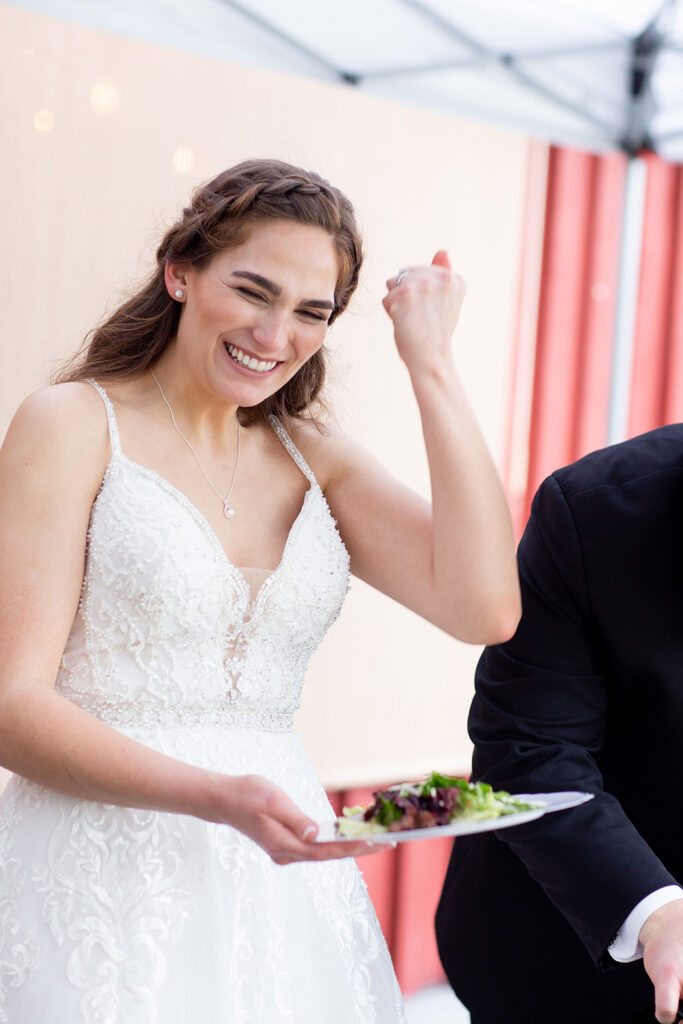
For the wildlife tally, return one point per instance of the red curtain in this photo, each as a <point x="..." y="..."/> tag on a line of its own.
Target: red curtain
<point x="657" y="395"/>
<point x="576" y="308"/>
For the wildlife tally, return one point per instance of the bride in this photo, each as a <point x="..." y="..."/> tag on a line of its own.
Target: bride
<point x="176" y="533"/>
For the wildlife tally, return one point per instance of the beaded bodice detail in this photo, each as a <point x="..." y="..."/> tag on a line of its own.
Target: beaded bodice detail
<point x="167" y="631"/>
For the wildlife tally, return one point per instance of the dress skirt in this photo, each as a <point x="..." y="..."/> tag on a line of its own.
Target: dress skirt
<point x="112" y="915"/>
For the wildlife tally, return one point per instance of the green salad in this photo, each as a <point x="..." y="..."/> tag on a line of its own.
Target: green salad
<point x="438" y="800"/>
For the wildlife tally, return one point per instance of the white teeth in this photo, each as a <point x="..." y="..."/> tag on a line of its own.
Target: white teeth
<point x="261" y="365"/>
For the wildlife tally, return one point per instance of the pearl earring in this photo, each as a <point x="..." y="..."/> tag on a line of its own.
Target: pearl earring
<point x="178" y="293"/>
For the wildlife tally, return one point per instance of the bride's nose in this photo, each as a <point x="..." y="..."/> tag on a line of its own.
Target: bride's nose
<point x="270" y="330"/>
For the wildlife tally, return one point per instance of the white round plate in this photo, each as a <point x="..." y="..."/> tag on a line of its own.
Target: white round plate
<point x="548" y="802"/>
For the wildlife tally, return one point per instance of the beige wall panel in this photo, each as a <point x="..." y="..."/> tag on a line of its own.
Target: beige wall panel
<point x="87" y="197"/>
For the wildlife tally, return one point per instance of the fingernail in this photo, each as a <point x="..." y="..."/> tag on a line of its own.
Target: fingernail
<point x="308" y="832"/>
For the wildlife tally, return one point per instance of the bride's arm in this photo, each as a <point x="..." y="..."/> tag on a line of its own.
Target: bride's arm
<point x="453" y="561"/>
<point x="51" y="466"/>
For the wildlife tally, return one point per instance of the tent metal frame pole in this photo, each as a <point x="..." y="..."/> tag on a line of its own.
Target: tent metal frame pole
<point x="295" y="44"/>
<point x="627" y="298"/>
<point x="509" y="64"/>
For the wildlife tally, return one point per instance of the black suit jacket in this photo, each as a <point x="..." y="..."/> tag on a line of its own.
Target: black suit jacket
<point x="588" y="695"/>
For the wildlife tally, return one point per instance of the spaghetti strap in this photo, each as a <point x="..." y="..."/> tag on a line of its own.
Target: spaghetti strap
<point x="292" y="450"/>
<point x="111" y="418"/>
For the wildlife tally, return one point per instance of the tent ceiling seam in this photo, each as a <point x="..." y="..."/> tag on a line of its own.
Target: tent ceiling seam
<point x="348" y="77"/>
<point x="509" y="64"/>
<point x="473" y="63"/>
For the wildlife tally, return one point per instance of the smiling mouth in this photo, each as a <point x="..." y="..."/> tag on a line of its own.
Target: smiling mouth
<point x="250" y="362"/>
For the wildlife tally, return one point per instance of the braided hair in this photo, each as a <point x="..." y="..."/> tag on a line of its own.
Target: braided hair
<point x="220" y="216"/>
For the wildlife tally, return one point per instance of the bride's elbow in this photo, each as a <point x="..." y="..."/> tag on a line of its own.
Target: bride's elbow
<point x="494" y="622"/>
<point x="502" y="612"/>
<point x="504" y="627"/>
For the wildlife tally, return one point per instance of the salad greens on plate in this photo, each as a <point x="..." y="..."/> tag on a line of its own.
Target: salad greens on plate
<point x="438" y="800"/>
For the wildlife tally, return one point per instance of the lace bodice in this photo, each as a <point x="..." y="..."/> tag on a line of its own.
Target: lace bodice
<point x="167" y="631"/>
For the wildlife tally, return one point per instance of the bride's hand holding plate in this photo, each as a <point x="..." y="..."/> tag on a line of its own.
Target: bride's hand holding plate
<point x="264" y="813"/>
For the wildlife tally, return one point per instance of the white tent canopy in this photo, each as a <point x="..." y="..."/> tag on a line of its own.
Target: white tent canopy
<point x="603" y="74"/>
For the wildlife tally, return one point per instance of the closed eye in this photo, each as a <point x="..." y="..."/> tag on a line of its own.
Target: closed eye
<point x="254" y="296"/>
<point x="251" y="294"/>
<point x="313" y="316"/>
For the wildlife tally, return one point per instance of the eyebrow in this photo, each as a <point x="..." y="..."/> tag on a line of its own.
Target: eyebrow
<point x="275" y="289"/>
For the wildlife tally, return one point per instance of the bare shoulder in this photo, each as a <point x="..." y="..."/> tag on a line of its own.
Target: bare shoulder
<point x="62" y="427"/>
<point x="330" y="453"/>
<point x="61" y="407"/>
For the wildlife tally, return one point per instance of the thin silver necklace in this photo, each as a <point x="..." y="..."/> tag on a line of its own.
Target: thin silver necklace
<point x="228" y="510"/>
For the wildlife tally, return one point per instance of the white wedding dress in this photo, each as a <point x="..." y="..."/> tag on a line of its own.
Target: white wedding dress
<point x="110" y="915"/>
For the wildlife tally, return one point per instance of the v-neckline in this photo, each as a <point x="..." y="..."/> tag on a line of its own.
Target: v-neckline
<point x="200" y="519"/>
<point x="207" y="529"/>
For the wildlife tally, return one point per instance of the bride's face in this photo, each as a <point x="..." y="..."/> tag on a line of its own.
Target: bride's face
<point x="258" y="311"/>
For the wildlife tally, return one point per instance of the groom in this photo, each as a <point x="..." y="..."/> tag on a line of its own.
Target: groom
<point x="548" y="922"/>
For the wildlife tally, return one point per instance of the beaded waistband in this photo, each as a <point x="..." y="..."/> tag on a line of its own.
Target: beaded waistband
<point x="125" y="712"/>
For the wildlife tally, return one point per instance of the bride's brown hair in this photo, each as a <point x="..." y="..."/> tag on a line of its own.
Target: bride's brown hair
<point x="220" y="216"/>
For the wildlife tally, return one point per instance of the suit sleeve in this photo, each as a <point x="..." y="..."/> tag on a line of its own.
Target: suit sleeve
<point x="538" y="721"/>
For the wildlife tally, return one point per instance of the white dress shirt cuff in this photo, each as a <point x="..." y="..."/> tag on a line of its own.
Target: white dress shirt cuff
<point x="625" y="947"/>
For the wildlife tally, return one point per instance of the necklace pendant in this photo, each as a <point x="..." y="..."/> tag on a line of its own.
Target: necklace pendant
<point x="228" y="512"/>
